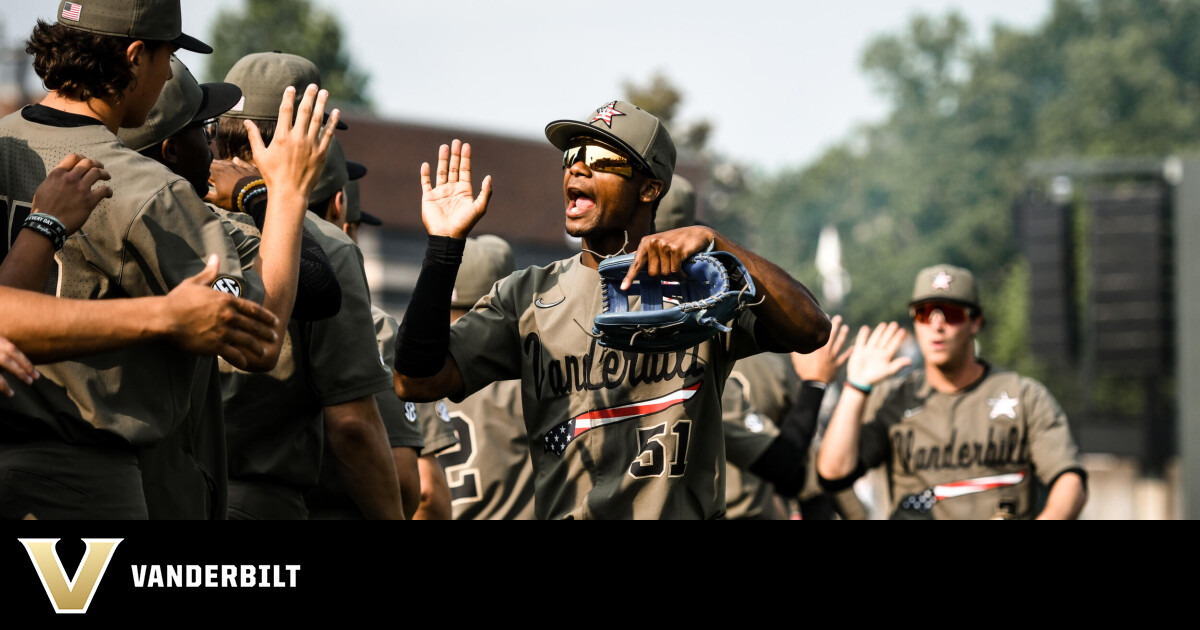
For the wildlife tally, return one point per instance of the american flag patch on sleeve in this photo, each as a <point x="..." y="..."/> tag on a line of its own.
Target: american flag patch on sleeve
<point x="71" y="11"/>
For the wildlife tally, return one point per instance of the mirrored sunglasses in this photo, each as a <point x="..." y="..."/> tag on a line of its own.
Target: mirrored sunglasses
<point x="598" y="157"/>
<point x="953" y="314"/>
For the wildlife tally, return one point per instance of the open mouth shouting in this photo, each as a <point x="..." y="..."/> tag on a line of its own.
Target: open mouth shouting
<point x="579" y="202"/>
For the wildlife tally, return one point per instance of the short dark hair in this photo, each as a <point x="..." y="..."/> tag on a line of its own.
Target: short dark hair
<point x="82" y="65"/>
<point x="234" y="141"/>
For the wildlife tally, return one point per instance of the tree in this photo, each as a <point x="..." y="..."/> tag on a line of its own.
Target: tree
<point x="290" y="26"/>
<point x="660" y="97"/>
<point x="934" y="181"/>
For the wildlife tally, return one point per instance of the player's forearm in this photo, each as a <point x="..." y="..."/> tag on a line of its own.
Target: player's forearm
<point x="409" y="476"/>
<point x="363" y="458"/>
<point x="447" y="383"/>
<point x="435" y="492"/>
<point x="279" y="252"/>
<point x="839" y="448"/>
<point x="49" y="329"/>
<point x="27" y="266"/>
<point x="788" y="308"/>
<point x="1066" y="499"/>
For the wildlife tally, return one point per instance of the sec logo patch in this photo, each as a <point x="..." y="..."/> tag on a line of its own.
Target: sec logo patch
<point x="225" y="284"/>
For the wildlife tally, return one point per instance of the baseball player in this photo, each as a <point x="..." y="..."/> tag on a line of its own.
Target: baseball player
<point x="176" y="135"/>
<point x="489" y="471"/>
<point x="769" y="415"/>
<point x="612" y="434"/>
<point x="323" y="389"/>
<point x="961" y="439"/>
<point x="84" y="423"/>
<point x="404" y="432"/>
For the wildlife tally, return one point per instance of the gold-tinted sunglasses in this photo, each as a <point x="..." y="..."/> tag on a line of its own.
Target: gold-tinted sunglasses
<point x="598" y="157"/>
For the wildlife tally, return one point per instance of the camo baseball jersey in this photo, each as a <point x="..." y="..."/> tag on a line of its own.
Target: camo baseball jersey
<point x="400" y="429"/>
<point x="757" y="395"/>
<point x="436" y="427"/>
<point x="150" y="236"/>
<point x="612" y="434"/>
<point x="274" y="420"/>
<point x="489" y="471"/>
<point x="968" y="455"/>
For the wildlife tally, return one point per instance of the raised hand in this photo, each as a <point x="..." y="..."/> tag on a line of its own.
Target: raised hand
<point x="223" y="176"/>
<point x="448" y="209"/>
<point x="15" y="362"/>
<point x="205" y="321"/>
<point x="293" y="162"/>
<point x="663" y="254"/>
<point x="822" y="365"/>
<point x="871" y="361"/>
<point x="67" y="193"/>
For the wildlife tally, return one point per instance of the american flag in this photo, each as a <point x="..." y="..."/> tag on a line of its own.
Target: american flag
<point x="559" y="437"/>
<point x="71" y="11"/>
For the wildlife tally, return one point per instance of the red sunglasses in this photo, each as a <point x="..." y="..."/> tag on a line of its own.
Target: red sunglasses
<point x="954" y="314"/>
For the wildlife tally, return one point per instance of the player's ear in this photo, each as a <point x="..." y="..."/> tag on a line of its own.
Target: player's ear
<point x="134" y="54"/>
<point x="337" y="209"/>
<point x="169" y="153"/>
<point x="650" y="190"/>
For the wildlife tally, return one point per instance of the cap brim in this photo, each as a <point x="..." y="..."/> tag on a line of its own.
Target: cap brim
<point x="356" y="170"/>
<point x="187" y="42"/>
<point x="370" y="219"/>
<point x="341" y="126"/>
<point x="561" y="132"/>
<point x="218" y="99"/>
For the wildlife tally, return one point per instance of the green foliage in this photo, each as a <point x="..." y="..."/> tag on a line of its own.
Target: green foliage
<point x="290" y="26"/>
<point x="936" y="180"/>
<point x="662" y="98"/>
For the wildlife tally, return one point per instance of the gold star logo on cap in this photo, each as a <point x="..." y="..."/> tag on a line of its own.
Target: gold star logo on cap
<point x="941" y="282"/>
<point x="606" y="114"/>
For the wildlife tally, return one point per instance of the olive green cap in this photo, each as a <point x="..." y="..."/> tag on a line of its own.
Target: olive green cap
<point x="677" y="208"/>
<point x="629" y="128"/>
<point x="153" y="20"/>
<point x="486" y="259"/>
<point x="182" y="102"/>
<point x="946" y="283"/>
<point x="354" y="211"/>
<point x="264" y="77"/>
<point x="336" y="173"/>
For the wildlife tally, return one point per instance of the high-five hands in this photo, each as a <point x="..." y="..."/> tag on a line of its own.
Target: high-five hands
<point x="871" y="360"/>
<point x="448" y="208"/>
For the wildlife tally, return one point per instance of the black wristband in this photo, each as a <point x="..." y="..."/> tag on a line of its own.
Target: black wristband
<point x="49" y="227"/>
<point x="424" y="337"/>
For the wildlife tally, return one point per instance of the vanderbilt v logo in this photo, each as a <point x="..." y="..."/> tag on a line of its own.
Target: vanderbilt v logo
<point x="72" y="596"/>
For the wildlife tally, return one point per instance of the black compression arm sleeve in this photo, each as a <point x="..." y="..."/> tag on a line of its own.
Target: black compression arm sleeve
<point x="318" y="293"/>
<point x="424" y="337"/>
<point x="785" y="461"/>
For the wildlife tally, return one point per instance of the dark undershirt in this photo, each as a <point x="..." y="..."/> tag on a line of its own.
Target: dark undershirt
<point x="49" y="116"/>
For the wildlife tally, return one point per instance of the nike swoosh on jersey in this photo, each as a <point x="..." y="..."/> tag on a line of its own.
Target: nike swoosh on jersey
<point x="908" y="413"/>
<point x="557" y="439"/>
<point x="540" y="304"/>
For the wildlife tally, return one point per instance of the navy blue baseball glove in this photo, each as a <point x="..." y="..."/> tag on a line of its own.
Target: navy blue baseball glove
<point x="674" y="314"/>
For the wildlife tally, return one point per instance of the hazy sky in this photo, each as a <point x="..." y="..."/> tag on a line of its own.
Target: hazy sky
<point x="779" y="80"/>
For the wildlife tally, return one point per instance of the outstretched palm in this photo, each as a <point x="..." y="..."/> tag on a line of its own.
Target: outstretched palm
<point x="448" y="208"/>
<point x="871" y="361"/>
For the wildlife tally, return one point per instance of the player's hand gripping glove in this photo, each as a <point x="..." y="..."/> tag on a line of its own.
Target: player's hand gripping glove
<point x="713" y="291"/>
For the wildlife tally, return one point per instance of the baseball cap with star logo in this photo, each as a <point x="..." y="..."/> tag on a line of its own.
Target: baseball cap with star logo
<point x="946" y="283"/>
<point x="153" y="20"/>
<point x="629" y="128"/>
